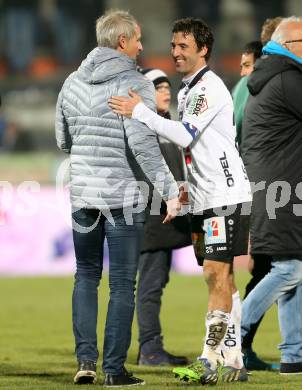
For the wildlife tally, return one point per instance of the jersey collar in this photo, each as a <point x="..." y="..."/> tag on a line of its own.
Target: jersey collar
<point x="186" y="82"/>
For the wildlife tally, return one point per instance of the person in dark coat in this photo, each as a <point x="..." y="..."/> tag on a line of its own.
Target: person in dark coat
<point x="259" y="265"/>
<point x="272" y="153"/>
<point x="159" y="240"/>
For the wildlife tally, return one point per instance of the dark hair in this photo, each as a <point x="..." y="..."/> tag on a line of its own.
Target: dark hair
<point x="199" y="29"/>
<point x="254" y="47"/>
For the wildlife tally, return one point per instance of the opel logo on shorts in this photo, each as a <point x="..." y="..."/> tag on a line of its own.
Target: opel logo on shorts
<point x="231" y="222"/>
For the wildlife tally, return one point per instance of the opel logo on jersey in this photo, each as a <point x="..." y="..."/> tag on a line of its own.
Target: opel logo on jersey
<point x="226" y="169"/>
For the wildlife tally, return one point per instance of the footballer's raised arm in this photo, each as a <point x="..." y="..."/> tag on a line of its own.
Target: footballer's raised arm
<point x="180" y="133"/>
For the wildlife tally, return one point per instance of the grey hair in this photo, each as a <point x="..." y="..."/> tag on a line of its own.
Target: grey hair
<point x="279" y="34"/>
<point x="111" y="25"/>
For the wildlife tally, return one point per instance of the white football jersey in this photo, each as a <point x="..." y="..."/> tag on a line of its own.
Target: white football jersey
<point x="216" y="173"/>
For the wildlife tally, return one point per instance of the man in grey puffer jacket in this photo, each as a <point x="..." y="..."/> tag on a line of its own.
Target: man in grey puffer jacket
<point x="111" y="157"/>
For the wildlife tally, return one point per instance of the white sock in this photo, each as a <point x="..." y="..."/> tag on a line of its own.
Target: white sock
<point x="231" y="347"/>
<point x="216" y="325"/>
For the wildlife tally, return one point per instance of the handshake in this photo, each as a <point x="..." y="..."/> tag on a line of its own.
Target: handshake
<point x="174" y="205"/>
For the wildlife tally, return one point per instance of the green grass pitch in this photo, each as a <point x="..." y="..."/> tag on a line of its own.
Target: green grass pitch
<point x="36" y="341"/>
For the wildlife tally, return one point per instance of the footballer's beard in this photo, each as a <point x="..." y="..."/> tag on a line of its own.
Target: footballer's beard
<point x="180" y="65"/>
<point x="184" y="67"/>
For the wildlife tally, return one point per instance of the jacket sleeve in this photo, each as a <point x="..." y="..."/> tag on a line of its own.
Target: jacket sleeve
<point x="63" y="137"/>
<point x="240" y="95"/>
<point x="291" y="85"/>
<point x="145" y="148"/>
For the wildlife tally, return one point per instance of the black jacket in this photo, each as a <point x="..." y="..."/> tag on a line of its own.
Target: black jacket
<point x="272" y="152"/>
<point x="176" y="234"/>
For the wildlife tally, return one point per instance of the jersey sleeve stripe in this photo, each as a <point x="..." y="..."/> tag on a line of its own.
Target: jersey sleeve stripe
<point x="191" y="129"/>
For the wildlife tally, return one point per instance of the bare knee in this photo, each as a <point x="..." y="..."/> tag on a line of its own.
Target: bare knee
<point x="217" y="275"/>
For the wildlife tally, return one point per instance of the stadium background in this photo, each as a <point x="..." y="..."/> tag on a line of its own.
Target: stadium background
<point x="35" y="236"/>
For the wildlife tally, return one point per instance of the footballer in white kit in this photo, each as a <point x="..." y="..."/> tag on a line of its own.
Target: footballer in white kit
<point x="216" y="174"/>
<point x="219" y="192"/>
<point x="218" y="185"/>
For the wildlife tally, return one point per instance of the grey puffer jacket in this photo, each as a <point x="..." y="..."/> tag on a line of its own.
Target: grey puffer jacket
<point x="109" y="153"/>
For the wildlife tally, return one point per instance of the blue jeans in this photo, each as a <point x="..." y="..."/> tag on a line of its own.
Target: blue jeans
<point x="124" y="242"/>
<point x="284" y="285"/>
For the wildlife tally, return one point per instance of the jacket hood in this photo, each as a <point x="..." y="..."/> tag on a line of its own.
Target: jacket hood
<point x="273" y="47"/>
<point x="275" y="61"/>
<point x="103" y="64"/>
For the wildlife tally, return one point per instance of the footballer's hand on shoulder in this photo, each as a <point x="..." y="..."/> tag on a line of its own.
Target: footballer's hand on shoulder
<point x="123" y="105"/>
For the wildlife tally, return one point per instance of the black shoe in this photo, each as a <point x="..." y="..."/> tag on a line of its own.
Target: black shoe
<point x="124" y="379"/>
<point x="161" y="358"/>
<point x="291" y="368"/>
<point x="86" y="373"/>
<point x="152" y="353"/>
<point x="253" y="363"/>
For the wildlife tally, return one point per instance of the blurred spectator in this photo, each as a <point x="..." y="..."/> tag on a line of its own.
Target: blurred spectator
<point x="19" y="19"/>
<point x="268" y="27"/>
<point x="8" y="134"/>
<point x="68" y="31"/>
<point x="267" y="9"/>
<point x="92" y="8"/>
<point x="74" y="28"/>
<point x="208" y="10"/>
